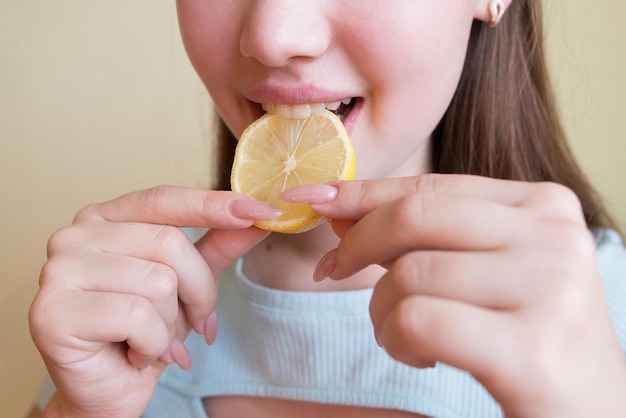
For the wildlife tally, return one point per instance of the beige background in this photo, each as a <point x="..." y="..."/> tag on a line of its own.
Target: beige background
<point x="96" y="99"/>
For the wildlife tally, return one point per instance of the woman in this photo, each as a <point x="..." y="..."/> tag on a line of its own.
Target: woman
<point x="487" y="284"/>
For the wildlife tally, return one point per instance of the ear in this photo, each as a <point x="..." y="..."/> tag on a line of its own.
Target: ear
<point x="484" y="9"/>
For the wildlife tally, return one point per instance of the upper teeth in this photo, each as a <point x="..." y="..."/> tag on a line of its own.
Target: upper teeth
<point x="301" y="111"/>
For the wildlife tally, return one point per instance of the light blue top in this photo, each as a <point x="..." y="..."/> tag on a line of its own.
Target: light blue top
<point x="320" y="347"/>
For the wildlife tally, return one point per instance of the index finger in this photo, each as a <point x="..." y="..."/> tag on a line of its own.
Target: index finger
<point x="179" y="206"/>
<point x="355" y="199"/>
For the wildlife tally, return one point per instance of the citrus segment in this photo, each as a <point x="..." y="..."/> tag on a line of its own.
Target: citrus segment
<point x="275" y="154"/>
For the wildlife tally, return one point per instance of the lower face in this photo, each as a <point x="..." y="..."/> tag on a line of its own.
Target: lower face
<point x="396" y="62"/>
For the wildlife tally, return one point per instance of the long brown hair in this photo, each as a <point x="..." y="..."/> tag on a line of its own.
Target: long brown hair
<point x="502" y="121"/>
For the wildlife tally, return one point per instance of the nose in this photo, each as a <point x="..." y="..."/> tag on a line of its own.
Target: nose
<point x="276" y="31"/>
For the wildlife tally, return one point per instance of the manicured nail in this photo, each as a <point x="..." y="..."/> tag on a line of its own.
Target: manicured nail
<point x="325" y="267"/>
<point x="253" y="210"/>
<point x="180" y="354"/>
<point x="210" y="328"/>
<point x="421" y="363"/>
<point x="378" y="339"/>
<point x="310" y="193"/>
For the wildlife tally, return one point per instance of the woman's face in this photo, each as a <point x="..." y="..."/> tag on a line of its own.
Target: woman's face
<point x="400" y="60"/>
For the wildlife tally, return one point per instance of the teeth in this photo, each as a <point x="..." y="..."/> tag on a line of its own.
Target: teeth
<point x="333" y="105"/>
<point x="317" y="107"/>
<point x="301" y="111"/>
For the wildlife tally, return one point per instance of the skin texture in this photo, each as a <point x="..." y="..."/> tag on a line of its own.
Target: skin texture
<point x="468" y="271"/>
<point x="300" y="52"/>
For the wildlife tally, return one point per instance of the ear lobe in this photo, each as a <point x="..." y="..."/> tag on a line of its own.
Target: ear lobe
<point x="491" y="11"/>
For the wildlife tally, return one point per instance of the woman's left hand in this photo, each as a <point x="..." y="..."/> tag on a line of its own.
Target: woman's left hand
<point x="498" y="278"/>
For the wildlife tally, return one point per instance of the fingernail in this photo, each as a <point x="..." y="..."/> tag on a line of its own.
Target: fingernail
<point x="422" y="363"/>
<point x="310" y="193"/>
<point x="250" y="209"/>
<point x="325" y="267"/>
<point x="180" y="354"/>
<point x="378" y="340"/>
<point x="210" y="328"/>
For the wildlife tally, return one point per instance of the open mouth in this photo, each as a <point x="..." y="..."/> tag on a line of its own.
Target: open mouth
<point x="302" y="111"/>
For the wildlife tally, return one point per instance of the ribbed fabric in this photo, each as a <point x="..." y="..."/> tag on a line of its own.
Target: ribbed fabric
<point x="611" y="257"/>
<point x="319" y="347"/>
<point x="309" y="346"/>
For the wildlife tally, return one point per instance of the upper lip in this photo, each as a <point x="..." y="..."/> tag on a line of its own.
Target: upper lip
<point x="294" y="95"/>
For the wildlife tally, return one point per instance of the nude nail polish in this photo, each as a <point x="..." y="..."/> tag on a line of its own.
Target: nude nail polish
<point x="310" y="193"/>
<point x="325" y="267"/>
<point x="253" y="210"/>
<point x="210" y="328"/>
<point x="379" y="341"/>
<point x="180" y="354"/>
<point x="421" y="363"/>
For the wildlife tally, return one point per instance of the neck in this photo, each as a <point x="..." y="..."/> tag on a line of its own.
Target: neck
<point x="287" y="262"/>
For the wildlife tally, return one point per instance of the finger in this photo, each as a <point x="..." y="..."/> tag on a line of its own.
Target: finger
<point x="97" y="272"/>
<point x="426" y="221"/>
<point x="221" y="247"/>
<point x="341" y="226"/>
<point x="481" y="279"/>
<point x="179" y="206"/>
<point x="354" y="199"/>
<point x="164" y="245"/>
<point x="470" y="338"/>
<point x="119" y="317"/>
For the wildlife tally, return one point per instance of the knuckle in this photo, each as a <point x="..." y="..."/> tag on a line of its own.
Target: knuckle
<point x="359" y="194"/>
<point x="38" y="317"/>
<point x="408" y="272"/>
<point x="139" y="312"/>
<point x="45" y="319"/>
<point x="52" y="271"/>
<point x="162" y="283"/>
<point x="412" y="318"/>
<point x="569" y="281"/>
<point x="156" y="199"/>
<point x="406" y="213"/>
<point x="170" y="239"/>
<point x="581" y="244"/>
<point x="427" y="183"/>
<point x="87" y="212"/>
<point x="559" y="199"/>
<point x="547" y="191"/>
<point x="213" y="200"/>
<point x="60" y="239"/>
<point x="571" y="242"/>
<point x="402" y="207"/>
<point x="404" y="330"/>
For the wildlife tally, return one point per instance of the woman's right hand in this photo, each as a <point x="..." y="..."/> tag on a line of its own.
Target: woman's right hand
<point x="122" y="287"/>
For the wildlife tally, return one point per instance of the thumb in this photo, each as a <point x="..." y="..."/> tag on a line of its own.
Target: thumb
<point x="221" y="247"/>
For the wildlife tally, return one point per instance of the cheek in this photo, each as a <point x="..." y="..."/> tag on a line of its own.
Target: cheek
<point x="210" y="33"/>
<point x="422" y="68"/>
<point x="412" y="82"/>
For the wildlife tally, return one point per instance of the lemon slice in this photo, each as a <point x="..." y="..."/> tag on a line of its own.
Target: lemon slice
<point x="275" y="154"/>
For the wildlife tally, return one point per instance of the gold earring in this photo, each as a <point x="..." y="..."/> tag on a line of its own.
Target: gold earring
<point x="496" y="9"/>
